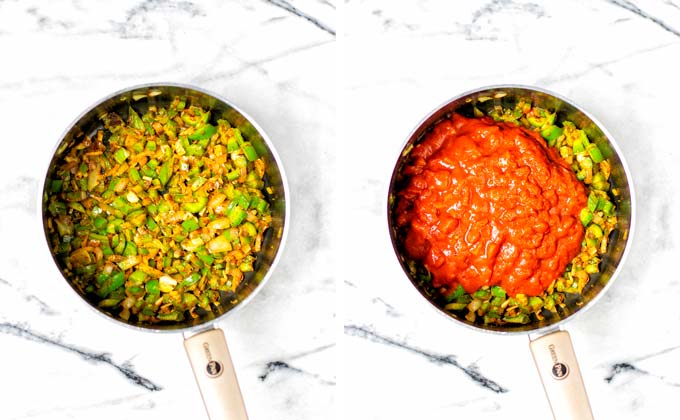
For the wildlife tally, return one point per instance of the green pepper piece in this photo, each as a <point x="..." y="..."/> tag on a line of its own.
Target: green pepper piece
<point x="208" y="259"/>
<point x="196" y="206"/>
<point x="137" y="217"/>
<point x="536" y="303"/>
<point x="498" y="291"/>
<point x="165" y="172"/>
<point x="194" y="150"/>
<point x="135" y="121"/>
<point x="190" y="225"/>
<point x="254" y="181"/>
<point x="56" y="208"/>
<point x="134" y="175"/>
<point x="455" y="306"/>
<point x="595" y="230"/>
<point x="116" y="280"/>
<point x="197" y="182"/>
<point x="76" y="195"/>
<point x="517" y="319"/>
<point x="120" y="203"/>
<point x="191" y="280"/>
<point x="600" y="182"/>
<point x="595" y="153"/>
<point x="172" y="316"/>
<point x="129" y="262"/>
<point x="232" y="145"/>
<point x="240" y="161"/>
<point x="151" y="224"/>
<point x="152" y="287"/>
<point x="238" y="136"/>
<point x="205" y="132"/>
<point x="189" y="300"/>
<point x="138" y="277"/>
<point x="592" y="268"/>
<point x="551" y="134"/>
<point x="236" y="215"/>
<point x="249" y="151"/>
<point x="77" y="207"/>
<point x="592" y="202"/>
<point x="56" y="185"/>
<point x="234" y="175"/>
<point x="586" y="216"/>
<point x="114" y="226"/>
<point x="118" y="243"/>
<point x="249" y="229"/>
<point x="244" y="201"/>
<point x="102" y="277"/>
<point x="97" y="237"/>
<point x="608" y="208"/>
<point x="539" y="117"/>
<point x="246" y="266"/>
<point x="262" y="206"/>
<point x="578" y="146"/>
<point x="130" y="249"/>
<point x="136" y="291"/>
<point x="481" y="294"/>
<point x="199" y="116"/>
<point x="121" y="155"/>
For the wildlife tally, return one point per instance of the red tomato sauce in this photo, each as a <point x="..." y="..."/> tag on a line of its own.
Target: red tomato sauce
<point x="489" y="203"/>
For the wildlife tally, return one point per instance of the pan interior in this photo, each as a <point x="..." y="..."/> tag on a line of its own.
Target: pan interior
<point x="161" y="96"/>
<point x="507" y="97"/>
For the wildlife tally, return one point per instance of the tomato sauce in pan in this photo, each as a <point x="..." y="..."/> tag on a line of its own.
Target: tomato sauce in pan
<point x="489" y="203"/>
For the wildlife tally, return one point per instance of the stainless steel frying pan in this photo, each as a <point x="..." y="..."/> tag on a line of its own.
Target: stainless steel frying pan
<point x="205" y="344"/>
<point x="550" y="343"/>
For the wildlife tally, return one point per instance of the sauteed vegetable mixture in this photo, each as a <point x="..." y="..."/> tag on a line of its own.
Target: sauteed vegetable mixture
<point x="158" y="214"/>
<point x="504" y="224"/>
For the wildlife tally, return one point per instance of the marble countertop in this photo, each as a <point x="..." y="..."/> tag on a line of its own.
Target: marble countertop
<point x="338" y="308"/>
<point x="618" y="60"/>
<point x="274" y="59"/>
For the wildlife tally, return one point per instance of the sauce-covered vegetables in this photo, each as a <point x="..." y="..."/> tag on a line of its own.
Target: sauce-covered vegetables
<point x="494" y="219"/>
<point x="156" y="216"/>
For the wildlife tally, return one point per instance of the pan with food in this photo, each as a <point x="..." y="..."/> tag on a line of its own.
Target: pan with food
<point x="164" y="208"/>
<point x="510" y="210"/>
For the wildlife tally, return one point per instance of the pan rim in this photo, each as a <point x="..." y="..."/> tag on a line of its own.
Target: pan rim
<point x="208" y="323"/>
<point x="545" y="329"/>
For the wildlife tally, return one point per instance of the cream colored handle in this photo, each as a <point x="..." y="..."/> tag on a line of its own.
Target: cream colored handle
<point x="215" y="375"/>
<point x="556" y="363"/>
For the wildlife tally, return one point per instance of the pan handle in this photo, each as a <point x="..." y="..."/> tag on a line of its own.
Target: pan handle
<point x="557" y="366"/>
<point x="215" y="375"/>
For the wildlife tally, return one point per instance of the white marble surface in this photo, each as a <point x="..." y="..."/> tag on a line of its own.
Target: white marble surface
<point x="619" y="60"/>
<point x="275" y="60"/>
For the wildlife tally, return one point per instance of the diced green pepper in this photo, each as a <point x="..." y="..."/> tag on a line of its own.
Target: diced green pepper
<point x="236" y="215"/>
<point x="190" y="224"/>
<point x="166" y="172"/>
<point x="190" y="280"/>
<point x="196" y="206"/>
<point x="138" y="277"/>
<point x="249" y="151"/>
<point x="586" y="216"/>
<point x="121" y="155"/>
<point x="204" y="132"/>
<point x="551" y="134"/>
<point x="135" y="121"/>
<point x="595" y="153"/>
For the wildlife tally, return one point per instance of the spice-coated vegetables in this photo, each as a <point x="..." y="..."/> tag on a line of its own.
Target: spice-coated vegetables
<point x="157" y="216"/>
